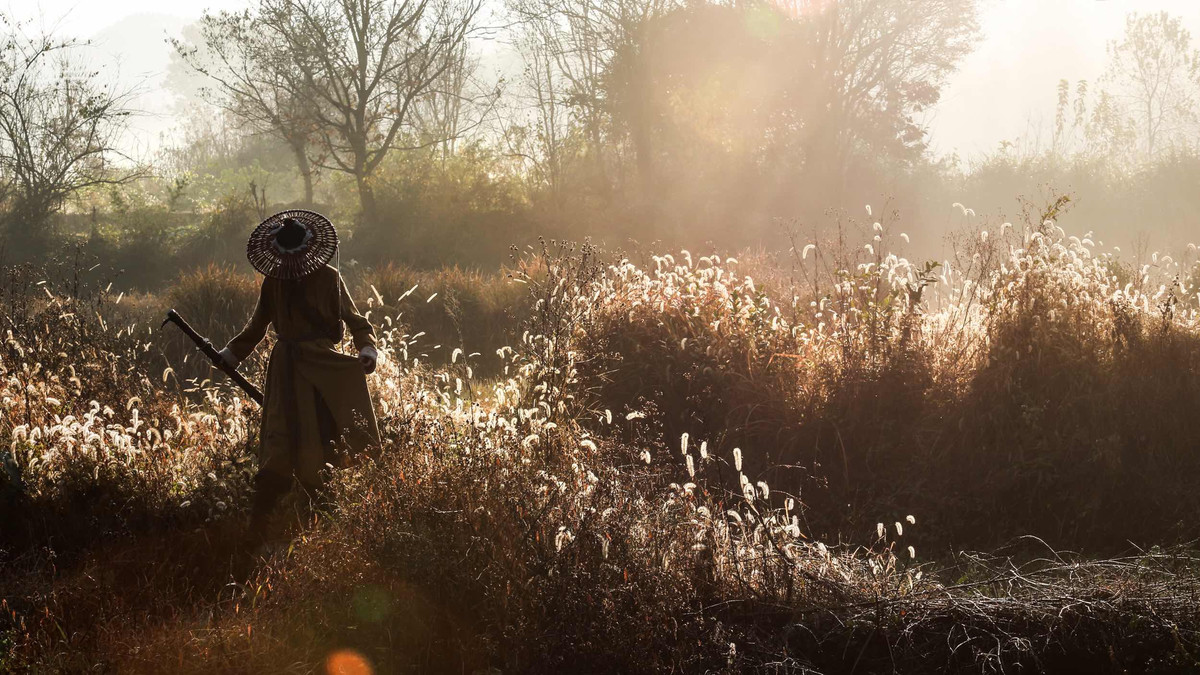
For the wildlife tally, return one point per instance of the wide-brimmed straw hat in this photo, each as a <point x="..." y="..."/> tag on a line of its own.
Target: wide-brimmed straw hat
<point x="292" y="244"/>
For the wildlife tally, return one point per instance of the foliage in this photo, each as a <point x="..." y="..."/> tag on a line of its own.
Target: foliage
<point x="59" y="123"/>
<point x="441" y="209"/>
<point x="256" y="80"/>
<point x="713" y="111"/>
<point x="1157" y="71"/>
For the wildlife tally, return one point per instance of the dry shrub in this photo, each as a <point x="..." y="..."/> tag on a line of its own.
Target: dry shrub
<point x="215" y="300"/>
<point x="556" y="517"/>
<point x="1074" y="415"/>
<point x="721" y="360"/>
<point x="98" y="438"/>
<point x="1023" y="378"/>
<point x="453" y="307"/>
<point x="495" y="530"/>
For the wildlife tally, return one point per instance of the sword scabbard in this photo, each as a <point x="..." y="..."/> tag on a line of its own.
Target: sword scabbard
<point x="213" y="355"/>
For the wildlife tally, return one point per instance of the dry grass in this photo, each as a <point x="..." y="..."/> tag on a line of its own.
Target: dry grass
<point x="453" y="308"/>
<point x="1025" y="387"/>
<point x="653" y="481"/>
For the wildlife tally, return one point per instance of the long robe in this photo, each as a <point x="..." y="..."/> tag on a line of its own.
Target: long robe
<point x="317" y="408"/>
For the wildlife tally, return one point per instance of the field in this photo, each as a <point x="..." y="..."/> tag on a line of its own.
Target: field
<point x="831" y="460"/>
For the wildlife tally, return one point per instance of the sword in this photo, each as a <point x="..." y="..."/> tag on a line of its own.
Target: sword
<point x="211" y="352"/>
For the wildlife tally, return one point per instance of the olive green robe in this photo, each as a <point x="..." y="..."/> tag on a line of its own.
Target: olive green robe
<point x="317" y="408"/>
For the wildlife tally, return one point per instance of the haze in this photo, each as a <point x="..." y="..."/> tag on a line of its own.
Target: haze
<point x="1004" y="90"/>
<point x="634" y="336"/>
<point x="689" y="125"/>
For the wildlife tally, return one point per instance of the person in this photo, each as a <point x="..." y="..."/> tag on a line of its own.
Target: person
<point x="317" y="410"/>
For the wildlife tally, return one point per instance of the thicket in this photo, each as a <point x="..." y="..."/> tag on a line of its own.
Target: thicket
<point x="655" y="478"/>
<point x="470" y="212"/>
<point x="660" y="145"/>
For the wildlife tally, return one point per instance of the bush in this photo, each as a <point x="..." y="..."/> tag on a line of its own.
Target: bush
<point x="96" y="443"/>
<point x="448" y="308"/>
<point x="622" y="494"/>
<point x="436" y="210"/>
<point x="1024" y="380"/>
<point x="216" y="300"/>
<point x="217" y="237"/>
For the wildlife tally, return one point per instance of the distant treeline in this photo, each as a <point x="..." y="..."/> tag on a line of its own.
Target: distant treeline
<point x="655" y="121"/>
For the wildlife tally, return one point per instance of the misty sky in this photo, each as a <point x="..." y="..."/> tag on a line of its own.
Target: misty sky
<point x="1005" y="90"/>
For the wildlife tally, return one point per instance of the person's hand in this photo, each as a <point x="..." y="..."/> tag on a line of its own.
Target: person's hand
<point x="228" y="357"/>
<point x="368" y="357"/>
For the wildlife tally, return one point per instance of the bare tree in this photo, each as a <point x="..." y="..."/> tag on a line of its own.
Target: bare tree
<point x="59" y="126"/>
<point x="1156" y="71"/>
<point x="457" y="103"/>
<point x="539" y="127"/>
<point x="366" y="65"/>
<point x="876" y="64"/>
<point x="257" y="79"/>
<point x="583" y="39"/>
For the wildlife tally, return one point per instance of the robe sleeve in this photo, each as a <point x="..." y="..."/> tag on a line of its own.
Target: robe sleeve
<point x="243" y="344"/>
<point x="360" y="327"/>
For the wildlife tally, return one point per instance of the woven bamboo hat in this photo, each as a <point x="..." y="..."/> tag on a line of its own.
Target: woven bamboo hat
<point x="292" y="244"/>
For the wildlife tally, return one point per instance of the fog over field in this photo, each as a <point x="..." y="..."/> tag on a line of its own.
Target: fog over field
<point x="600" y="336"/>
<point x="1003" y="90"/>
<point x="998" y="105"/>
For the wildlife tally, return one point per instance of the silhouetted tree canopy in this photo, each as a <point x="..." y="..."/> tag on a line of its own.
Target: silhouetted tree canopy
<point x="59" y="123"/>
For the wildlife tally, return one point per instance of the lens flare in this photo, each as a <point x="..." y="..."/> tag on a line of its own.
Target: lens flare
<point x="347" y="662"/>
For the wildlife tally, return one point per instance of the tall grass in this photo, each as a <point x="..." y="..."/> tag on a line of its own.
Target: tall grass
<point x="454" y="308"/>
<point x="1027" y="386"/>
<point x="99" y="439"/>
<point x="656" y="478"/>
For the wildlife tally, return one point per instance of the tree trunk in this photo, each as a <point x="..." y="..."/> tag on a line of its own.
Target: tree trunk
<point x="366" y="200"/>
<point x="1150" y="129"/>
<point x="601" y="176"/>
<point x="305" y="168"/>
<point x="641" y="122"/>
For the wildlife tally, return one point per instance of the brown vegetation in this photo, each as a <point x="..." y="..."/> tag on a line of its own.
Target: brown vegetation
<point x="653" y="480"/>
